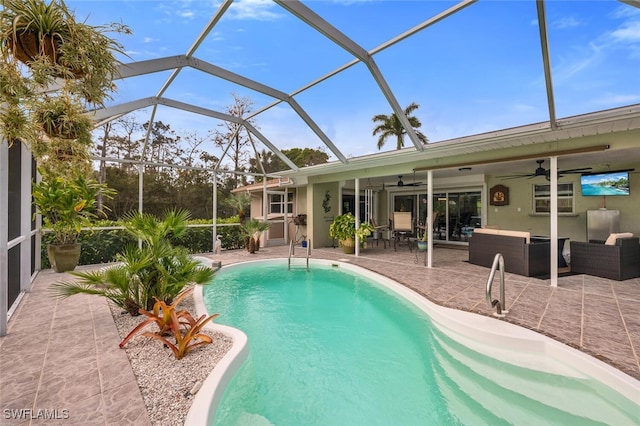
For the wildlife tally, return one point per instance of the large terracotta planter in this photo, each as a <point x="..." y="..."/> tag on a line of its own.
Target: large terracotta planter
<point x="348" y="245"/>
<point x="64" y="257"/>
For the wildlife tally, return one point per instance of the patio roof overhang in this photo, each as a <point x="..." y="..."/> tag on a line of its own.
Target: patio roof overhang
<point x="598" y="138"/>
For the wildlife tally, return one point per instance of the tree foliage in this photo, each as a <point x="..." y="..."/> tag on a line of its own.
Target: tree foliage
<point x="190" y="183"/>
<point x="301" y="157"/>
<point x="391" y="126"/>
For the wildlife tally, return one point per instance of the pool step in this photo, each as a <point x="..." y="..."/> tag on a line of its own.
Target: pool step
<point x="513" y="393"/>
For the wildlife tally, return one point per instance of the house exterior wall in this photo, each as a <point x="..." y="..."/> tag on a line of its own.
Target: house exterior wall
<point x="518" y="215"/>
<point x="323" y="202"/>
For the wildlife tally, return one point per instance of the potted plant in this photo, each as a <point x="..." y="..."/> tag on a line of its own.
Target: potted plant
<point x="423" y="242"/>
<point x="252" y="229"/>
<point x="343" y="228"/>
<point x="48" y="39"/>
<point x="44" y="48"/>
<point x="59" y="116"/>
<point x="67" y="206"/>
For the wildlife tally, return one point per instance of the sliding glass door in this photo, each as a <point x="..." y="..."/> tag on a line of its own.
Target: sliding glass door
<point x="458" y="214"/>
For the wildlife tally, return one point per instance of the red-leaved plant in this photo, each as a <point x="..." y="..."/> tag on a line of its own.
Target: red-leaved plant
<point x="186" y="331"/>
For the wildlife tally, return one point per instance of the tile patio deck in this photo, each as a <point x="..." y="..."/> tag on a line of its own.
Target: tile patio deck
<point x="60" y="357"/>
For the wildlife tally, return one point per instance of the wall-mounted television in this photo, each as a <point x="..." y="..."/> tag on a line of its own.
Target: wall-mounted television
<point x="609" y="183"/>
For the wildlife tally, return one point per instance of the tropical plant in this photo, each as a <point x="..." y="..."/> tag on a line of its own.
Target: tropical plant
<point x="68" y="205"/>
<point x="43" y="49"/>
<point x="390" y="126"/>
<point x="343" y="228"/>
<point x="48" y="39"/>
<point x="160" y="316"/>
<point x="61" y="116"/>
<point x="186" y="330"/>
<point x="251" y="230"/>
<point x="192" y="337"/>
<point x="240" y="202"/>
<point x="156" y="269"/>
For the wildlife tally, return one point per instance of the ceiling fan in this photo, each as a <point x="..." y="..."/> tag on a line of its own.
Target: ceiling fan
<point x="541" y="171"/>
<point x="401" y="184"/>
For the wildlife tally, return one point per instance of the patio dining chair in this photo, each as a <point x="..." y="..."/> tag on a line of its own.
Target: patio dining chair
<point x="402" y="228"/>
<point x="378" y="230"/>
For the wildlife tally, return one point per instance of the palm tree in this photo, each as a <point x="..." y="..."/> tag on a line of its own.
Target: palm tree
<point x="156" y="269"/>
<point x="390" y="125"/>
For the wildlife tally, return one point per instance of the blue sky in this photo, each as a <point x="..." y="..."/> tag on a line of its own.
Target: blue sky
<point x="476" y="71"/>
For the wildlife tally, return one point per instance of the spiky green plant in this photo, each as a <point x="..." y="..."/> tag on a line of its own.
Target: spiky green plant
<point x="157" y="269"/>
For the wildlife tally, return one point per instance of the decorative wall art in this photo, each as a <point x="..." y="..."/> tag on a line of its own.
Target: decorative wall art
<point x="499" y="196"/>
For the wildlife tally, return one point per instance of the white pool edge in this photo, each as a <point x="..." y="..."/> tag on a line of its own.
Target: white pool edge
<point x="203" y="407"/>
<point x="467" y="326"/>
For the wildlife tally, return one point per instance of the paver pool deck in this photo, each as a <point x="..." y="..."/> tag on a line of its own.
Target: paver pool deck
<point x="60" y="362"/>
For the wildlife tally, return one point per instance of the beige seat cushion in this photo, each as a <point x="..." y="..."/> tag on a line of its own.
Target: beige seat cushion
<point x="611" y="241"/>
<point x="504" y="232"/>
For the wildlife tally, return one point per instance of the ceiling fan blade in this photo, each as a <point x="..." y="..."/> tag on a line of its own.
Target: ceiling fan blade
<point x="518" y="176"/>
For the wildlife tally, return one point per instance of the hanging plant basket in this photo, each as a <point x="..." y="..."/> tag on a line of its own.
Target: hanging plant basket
<point x="28" y="45"/>
<point x="61" y="117"/>
<point x="45" y="36"/>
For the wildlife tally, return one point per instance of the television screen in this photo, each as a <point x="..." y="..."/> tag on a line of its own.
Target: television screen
<point x="610" y="183"/>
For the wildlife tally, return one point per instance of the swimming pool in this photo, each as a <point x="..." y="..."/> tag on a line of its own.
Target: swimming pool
<point x="328" y="347"/>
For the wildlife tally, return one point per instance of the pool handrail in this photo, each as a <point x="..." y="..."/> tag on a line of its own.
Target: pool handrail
<point x="498" y="263"/>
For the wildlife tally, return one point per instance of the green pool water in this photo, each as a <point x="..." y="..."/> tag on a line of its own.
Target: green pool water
<point x="330" y="347"/>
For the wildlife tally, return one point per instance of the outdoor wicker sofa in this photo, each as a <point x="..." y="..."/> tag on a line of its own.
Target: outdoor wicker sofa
<point x="522" y="254"/>
<point x="619" y="260"/>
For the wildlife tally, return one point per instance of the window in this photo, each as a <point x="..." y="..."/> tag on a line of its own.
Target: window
<point x="542" y="198"/>
<point x="276" y="203"/>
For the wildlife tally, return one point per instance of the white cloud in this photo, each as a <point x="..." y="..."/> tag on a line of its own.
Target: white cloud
<point x="626" y="12"/>
<point x="186" y="14"/>
<point x="523" y="107"/>
<point x="566" y="22"/>
<point x="629" y="32"/>
<point x="260" y="10"/>
<point x="618" y="99"/>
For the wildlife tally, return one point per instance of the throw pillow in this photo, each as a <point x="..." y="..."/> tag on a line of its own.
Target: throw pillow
<point x="611" y="241"/>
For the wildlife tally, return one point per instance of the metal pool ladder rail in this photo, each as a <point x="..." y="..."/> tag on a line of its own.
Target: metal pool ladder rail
<point x="292" y="252"/>
<point x="498" y="263"/>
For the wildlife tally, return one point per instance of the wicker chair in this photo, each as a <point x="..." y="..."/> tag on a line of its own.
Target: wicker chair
<point x="620" y="261"/>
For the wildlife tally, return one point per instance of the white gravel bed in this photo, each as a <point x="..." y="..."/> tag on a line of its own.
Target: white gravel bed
<point x="168" y="385"/>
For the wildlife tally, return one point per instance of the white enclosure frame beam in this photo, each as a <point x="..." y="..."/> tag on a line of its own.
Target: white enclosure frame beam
<point x="312" y="19"/>
<point x="546" y="62"/>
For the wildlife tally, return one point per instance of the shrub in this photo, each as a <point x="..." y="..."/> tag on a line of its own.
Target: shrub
<point x="156" y="269"/>
<point x="179" y="325"/>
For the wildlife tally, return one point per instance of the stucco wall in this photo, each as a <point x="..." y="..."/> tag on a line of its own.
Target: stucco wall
<point x="518" y="214"/>
<point x="323" y="202"/>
